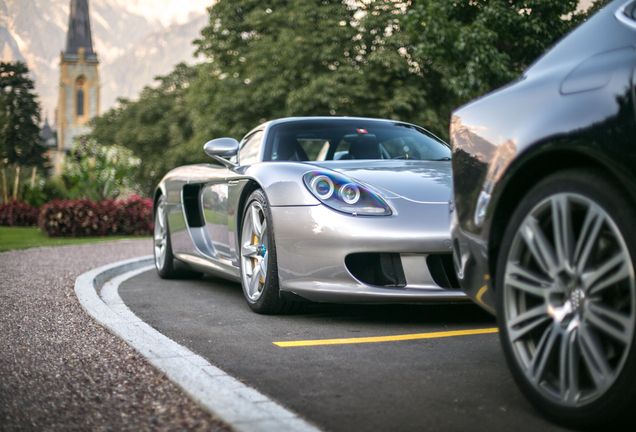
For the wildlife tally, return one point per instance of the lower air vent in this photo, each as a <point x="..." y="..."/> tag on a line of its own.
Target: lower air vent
<point x="378" y="269"/>
<point x="442" y="270"/>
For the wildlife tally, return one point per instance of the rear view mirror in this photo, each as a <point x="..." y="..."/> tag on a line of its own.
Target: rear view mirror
<point x="221" y="148"/>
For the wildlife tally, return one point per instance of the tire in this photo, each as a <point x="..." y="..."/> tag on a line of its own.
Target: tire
<point x="162" y="248"/>
<point x="258" y="264"/>
<point x="566" y="299"/>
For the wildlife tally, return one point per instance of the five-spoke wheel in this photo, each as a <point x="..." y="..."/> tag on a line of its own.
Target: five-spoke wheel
<point x="254" y="251"/>
<point x="259" y="270"/>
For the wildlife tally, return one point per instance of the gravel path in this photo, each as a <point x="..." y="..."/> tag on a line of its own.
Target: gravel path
<point x="59" y="370"/>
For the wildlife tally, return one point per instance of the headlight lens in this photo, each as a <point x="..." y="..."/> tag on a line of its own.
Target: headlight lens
<point x="322" y="186"/>
<point x="343" y="194"/>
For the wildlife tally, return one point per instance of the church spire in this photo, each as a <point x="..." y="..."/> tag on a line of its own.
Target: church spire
<point x="79" y="31"/>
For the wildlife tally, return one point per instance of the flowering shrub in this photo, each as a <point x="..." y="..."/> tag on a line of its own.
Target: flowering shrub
<point x="99" y="172"/>
<point x="83" y="217"/>
<point x="16" y="213"/>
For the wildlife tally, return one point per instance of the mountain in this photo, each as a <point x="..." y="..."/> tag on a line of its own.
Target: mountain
<point x="135" y="41"/>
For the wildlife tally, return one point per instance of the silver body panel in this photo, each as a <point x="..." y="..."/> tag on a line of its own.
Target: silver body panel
<point x="312" y="240"/>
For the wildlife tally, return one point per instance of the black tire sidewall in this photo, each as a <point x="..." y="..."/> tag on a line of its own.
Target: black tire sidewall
<point x="616" y="403"/>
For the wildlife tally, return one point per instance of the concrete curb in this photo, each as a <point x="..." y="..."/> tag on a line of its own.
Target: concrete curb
<point x="242" y="407"/>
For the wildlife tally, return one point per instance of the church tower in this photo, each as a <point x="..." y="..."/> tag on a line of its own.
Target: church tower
<point x="78" y="99"/>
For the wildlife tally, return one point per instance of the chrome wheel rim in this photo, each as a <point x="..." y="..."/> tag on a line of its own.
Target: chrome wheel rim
<point x="160" y="237"/>
<point x="254" y="251"/>
<point x="569" y="299"/>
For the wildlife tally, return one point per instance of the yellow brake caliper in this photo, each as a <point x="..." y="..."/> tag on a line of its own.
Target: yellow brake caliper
<point x="255" y="242"/>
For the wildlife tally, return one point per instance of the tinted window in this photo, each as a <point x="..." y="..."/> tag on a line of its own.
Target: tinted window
<point x="250" y="149"/>
<point x="320" y="140"/>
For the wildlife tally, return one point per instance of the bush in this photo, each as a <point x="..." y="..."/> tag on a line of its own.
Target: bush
<point x="135" y="216"/>
<point x="16" y="213"/>
<point x="83" y="217"/>
<point x="99" y="172"/>
<point x="55" y="188"/>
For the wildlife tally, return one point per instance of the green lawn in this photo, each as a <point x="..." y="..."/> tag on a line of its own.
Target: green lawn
<point x="12" y="238"/>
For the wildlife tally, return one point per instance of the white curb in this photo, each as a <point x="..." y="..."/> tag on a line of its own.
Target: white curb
<point x="242" y="407"/>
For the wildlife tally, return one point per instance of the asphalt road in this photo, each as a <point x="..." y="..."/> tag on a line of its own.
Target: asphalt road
<point x="441" y="384"/>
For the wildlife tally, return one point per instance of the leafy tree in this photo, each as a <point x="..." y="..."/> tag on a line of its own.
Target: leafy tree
<point x="271" y="59"/>
<point x="99" y="172"/>
<point x="19" y="117"/>
<point x="280" y="58"/>
<point x="156" y="127"/>
<point x="466" y="48"/>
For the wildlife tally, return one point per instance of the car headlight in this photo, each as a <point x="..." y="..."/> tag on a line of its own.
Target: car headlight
<point x="345" y="195"/>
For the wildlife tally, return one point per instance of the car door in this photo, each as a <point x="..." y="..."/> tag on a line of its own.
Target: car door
<point x="219" y="201"/>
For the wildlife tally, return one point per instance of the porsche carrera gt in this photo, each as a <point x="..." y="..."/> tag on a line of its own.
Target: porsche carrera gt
<point x="317" y="209"/>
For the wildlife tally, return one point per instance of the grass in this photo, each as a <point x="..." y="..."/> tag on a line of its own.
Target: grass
<point x="12" y="238"/>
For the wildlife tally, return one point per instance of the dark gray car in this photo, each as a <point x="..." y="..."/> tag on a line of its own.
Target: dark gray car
<point x="544" y="231"/>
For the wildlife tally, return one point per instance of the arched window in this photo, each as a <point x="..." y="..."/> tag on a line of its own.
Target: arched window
<point x="80" y="102"/>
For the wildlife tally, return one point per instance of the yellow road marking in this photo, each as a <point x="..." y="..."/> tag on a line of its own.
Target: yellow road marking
<point x="385" y="338"/>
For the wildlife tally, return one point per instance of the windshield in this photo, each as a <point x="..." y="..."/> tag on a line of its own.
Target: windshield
<point x="324" y="140"/>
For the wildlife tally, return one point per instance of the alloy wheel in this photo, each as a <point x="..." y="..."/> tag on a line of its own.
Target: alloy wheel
<point x="254" y="251"/>
<point x="569" y="299"/>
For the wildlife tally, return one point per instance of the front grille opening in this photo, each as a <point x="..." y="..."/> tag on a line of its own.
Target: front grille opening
<point x="442" y="270"/>
<point x="378" y="269"/>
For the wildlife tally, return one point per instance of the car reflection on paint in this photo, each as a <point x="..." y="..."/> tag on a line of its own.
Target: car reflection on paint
<point x="543" y="229"/>
<point x="315" y="209"/>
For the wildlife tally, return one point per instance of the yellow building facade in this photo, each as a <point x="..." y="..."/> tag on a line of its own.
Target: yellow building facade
<point x="78" y="99"/>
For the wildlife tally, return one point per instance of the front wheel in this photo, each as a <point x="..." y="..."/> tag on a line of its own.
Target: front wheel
<point x="259" y="268"/>
<point x="566" y="299"/>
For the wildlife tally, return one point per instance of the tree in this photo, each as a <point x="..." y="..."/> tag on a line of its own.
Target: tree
<point x="156" y="127"/>
<point x="466" y="48"/>
<point x="281" y="58"/>
<point x="266" y="58"/>
<point x="19" y="117"/>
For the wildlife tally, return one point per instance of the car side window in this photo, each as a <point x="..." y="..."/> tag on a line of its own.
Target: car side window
<point x="248" y="154"/>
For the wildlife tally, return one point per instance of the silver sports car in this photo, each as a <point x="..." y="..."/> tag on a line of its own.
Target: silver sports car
<point x="315" y="209"/>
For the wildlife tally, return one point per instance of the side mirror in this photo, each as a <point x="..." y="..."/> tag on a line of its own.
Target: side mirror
<point x="221" y="148"/>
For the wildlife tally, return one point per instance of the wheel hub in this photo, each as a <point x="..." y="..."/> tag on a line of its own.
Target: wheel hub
<point x="577" y="298"/>
<point x="261" y="251"/>
<point x="567" y="302"/>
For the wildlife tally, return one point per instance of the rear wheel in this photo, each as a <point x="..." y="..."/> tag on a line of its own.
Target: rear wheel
<point x="164" y="260"/>
<point x="259" y="268"/>
<point x="566" y="299"/>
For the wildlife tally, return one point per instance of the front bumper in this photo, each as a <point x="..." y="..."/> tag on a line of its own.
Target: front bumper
<point x="312" y="243"/>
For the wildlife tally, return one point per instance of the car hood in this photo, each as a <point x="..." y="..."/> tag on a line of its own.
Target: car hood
<point x="421" y="181"/>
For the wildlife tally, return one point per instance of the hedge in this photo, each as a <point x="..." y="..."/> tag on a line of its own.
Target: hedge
<point x="83" y="217"/>
<point x="16" y="213"/>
